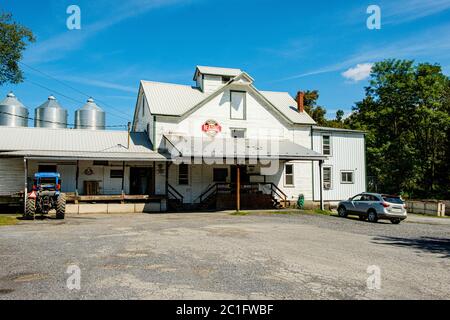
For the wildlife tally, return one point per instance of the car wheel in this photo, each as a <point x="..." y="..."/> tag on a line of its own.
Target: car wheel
<point x="342" y="212"/>
<point x="396" y="221"/>
<point x="372" y="216"/>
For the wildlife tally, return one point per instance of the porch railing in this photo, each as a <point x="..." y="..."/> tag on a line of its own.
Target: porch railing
<point x="229" y="188"/>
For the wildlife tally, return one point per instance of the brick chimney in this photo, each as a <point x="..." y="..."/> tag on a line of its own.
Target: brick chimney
<point x="300" y="101"/>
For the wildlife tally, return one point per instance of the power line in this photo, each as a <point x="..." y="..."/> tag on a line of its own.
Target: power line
<point x="71" y="87"/>
<point x="60" y="123"/>
<point x="67" y="97"/>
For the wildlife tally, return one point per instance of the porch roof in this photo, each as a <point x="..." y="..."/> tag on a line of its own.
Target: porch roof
<point x="72" y="144"/>
<point x="219" y="148"/>
<point x="79" y="155"/>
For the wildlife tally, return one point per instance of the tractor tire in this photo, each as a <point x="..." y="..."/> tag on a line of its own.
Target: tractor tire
<point x="30" y="209"/>
<point x="61" y="207"/>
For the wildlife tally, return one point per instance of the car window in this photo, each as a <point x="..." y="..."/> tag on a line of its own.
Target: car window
<point x="357" y="198"/>
<point x="396" y="200"/>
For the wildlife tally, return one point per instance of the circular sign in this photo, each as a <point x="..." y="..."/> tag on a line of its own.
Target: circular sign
<point x="211" y="128"/>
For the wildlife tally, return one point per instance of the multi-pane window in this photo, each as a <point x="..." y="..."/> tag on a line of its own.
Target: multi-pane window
<point x="289" y="175"/>
<point x="347" y="177"/>
<point x="238" y="105"/>
<point x="183" y="174"/>
<point x="326" y="145"/>
<point x="327" y="181"/>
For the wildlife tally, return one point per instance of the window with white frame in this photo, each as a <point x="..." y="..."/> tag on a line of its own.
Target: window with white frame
<point x="327" y="180"/>
<point x="347" y="177"/>
<point x="326" y="145"/>
<point x="183" y="174"/>
<point x="238" y="105"/>
<point x="289" y="174"/>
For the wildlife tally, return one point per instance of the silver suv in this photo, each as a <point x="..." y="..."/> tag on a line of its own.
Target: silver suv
<point x="374" y="206"/>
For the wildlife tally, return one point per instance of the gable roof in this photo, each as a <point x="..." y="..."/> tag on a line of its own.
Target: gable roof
<point x="229" y="72"/>
<point x="175" y="100"/>
<point x="171" y="99"/>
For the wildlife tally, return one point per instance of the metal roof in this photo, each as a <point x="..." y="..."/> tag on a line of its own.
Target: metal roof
<point x="50" y="103"/>
<point x="171" y="99"/>
<point x="229" y="72"/>
<point x="337" y="130"/>
<point x="287" y="106"/>
<point x="205" y="147"/>
<point x="74" y="143"/>
<point x="175" y="100"/>
<point x="11" y="100"/>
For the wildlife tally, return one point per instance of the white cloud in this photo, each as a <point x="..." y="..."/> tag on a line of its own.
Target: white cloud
<point x="358" y="73"/>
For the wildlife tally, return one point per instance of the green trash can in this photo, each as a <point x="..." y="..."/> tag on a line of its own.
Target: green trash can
<point x="301" y="201"/>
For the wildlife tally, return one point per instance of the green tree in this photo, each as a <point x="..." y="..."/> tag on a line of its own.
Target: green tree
<point x="407" y="118"/>
<point x="316" y="112"/>
<point x="13" y="41"/>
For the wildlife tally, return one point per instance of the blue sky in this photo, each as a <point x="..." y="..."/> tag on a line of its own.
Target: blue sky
<point x="283" y="45"/>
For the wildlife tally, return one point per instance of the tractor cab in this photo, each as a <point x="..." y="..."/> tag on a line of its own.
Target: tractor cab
<point x="45" y="196"/>
<point x="47" y="181"/>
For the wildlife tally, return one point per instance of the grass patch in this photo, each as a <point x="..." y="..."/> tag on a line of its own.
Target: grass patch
<point x="8" y="220"/>
<point x="240" y="213"/>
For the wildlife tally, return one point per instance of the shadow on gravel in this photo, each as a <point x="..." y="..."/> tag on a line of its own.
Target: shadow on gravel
<point x="427" y="244"/>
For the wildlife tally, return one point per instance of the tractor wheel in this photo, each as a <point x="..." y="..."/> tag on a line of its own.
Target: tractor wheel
<point x="30" y="209"/>
<point x="61" y="206"/>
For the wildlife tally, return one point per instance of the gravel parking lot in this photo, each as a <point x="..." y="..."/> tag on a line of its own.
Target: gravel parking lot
<point x="220" y="256"/>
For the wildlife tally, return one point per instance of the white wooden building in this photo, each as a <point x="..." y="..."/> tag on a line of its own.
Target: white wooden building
<point x="189" y="146"/>
<point x="175" y="115"/>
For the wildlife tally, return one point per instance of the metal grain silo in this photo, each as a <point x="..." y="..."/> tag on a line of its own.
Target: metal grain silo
<point x="12" y="112"/>
<point x="90" y="117"/>
<point x="50" y="115"/>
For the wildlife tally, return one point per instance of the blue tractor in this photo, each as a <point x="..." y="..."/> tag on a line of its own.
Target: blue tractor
<point x="45" y="196"/>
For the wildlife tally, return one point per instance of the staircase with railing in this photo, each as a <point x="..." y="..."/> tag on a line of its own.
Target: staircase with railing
<point x="258" y="195"/>
<point x="175" y="199"/>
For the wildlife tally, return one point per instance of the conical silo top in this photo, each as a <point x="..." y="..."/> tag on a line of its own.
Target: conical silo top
<point x="11" y="100"/>
<point x="91" y="105"/>
<point x="50" y="103"/>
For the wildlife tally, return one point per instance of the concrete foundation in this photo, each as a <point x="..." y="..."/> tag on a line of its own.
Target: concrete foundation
<point x="114" y="208"/>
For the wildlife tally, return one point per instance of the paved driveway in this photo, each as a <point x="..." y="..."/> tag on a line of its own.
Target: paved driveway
<point x="219" y="256"/>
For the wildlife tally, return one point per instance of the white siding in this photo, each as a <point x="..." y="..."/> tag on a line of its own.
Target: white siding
<point x="261" y="122"/>
<point x="143" y="119"/>
<point x="211" y="83"/>
<point x="347" y="154"/>
<point x="302" y="180"/>
<point x="11" y="176"/>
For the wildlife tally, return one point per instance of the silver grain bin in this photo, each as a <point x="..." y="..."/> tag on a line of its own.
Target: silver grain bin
<point x="12" y="112"/>
<point x="90" y="117"/>
<point x="50" y="115"/>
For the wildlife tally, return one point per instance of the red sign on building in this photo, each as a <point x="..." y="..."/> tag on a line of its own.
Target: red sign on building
<point x="211" y="128"/>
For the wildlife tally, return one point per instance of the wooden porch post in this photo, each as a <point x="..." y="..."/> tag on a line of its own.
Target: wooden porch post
<point x="238" y="188"/>
<point x="123" y="182"/>
<point x="25" y="164"/>
<point x="77" y="174"/>
<point x="322" y="207"/>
